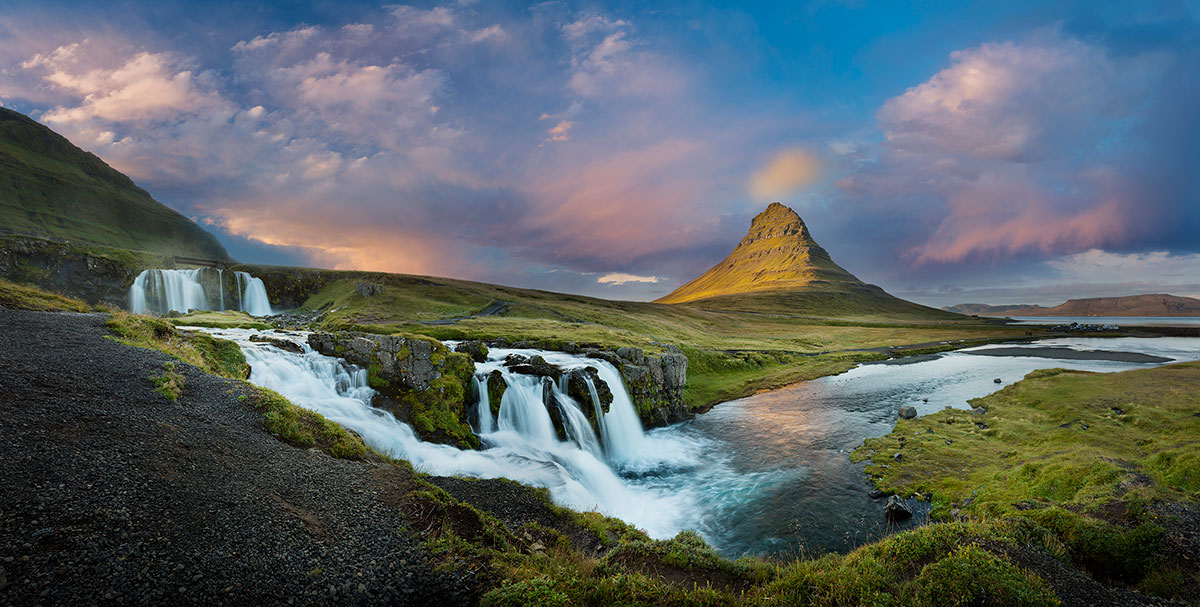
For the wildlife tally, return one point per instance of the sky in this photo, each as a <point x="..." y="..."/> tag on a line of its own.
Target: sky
<point x="994" y="152"/>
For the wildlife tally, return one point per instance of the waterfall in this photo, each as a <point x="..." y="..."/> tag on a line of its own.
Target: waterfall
<point x="576" y="423"/>
<point x="256" y="302"/>
<point x="160" y="291"/>
<point x="483" y="407"/>
<point x="521" y="445"/>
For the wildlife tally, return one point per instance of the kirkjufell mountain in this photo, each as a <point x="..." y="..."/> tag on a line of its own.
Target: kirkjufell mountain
<point x="779" y="267"/>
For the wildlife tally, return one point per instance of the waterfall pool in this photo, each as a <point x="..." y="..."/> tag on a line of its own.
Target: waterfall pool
<point x="769" y="474"/>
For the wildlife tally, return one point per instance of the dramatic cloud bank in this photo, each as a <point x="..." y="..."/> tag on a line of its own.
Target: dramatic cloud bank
<point x="610" y="152"/>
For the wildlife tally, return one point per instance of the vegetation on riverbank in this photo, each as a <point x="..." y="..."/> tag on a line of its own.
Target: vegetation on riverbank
<point x="217" y="356"/>
<point x="228" y="319"/>
<point x="1104" y="466"/>
<point x="301" y="427"/>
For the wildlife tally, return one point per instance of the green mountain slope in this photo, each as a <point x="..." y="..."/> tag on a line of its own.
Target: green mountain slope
<point x="49" y="187"/>
<point x="779" y="268"/>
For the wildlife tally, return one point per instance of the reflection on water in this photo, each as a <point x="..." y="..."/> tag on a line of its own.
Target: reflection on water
<point x="774" y="475"/>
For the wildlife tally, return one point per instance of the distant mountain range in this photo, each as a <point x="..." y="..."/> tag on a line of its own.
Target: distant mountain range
<point x="1157" y="304"/>
<point x="50" y="188"/>
<point x="779" y="268"/>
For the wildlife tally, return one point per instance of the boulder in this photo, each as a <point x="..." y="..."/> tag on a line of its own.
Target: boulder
<point x="907" y="412"/>
<point x="368" y="289"/>
<point x="577" y="389"/>
<point x="417" y="378"/>
<point x="978" y="411"/>
<point x="534" y="365"/>
<point x="897" y="509"/>
<point x="997" y="380"/>
<point x="282" y="344"/>
<point x="473" y="348"/>
<point x="632" y="355"/>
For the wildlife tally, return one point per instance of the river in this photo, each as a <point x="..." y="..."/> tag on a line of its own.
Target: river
<point x="767" y="475"/>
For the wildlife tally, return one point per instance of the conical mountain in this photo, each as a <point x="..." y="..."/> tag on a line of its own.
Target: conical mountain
<point x="50" y="188"/>
<point x="778" y="267"/>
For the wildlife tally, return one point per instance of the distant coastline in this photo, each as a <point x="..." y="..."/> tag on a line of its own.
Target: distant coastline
<point x="1156" y="305"/>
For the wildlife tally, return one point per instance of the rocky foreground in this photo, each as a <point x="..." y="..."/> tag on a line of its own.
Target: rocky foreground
<point x="114" y="494"/>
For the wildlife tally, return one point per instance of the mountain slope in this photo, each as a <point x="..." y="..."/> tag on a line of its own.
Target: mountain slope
<point x="49" y="187"/>
<point x="778" y="267"/>
<point x="1156" y="304"/>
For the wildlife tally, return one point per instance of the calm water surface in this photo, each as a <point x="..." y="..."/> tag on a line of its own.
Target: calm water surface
<point x="770" y="474"/>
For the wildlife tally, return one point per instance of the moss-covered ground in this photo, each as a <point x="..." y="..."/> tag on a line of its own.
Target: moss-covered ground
<point x="229" y="319"/>
<point x="19" y="296"/>
<point x="1090" y="460"/>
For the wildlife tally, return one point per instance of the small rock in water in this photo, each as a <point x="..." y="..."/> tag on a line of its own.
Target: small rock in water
<point x="876" y="494"/>
<point x="896" y="508"/>
<point x="907" y="412"/>
<point x="997" y="380"/>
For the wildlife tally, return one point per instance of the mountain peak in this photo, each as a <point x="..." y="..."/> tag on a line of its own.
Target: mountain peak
<point x="776" y="221"/>
<point x="777" y="253"/>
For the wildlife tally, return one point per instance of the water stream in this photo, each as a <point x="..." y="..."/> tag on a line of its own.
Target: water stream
<point x="768" y="474"/>
<point x="161" y="291"/>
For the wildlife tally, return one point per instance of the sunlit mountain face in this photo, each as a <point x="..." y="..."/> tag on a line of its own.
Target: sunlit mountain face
<point x="1018" y="152"/>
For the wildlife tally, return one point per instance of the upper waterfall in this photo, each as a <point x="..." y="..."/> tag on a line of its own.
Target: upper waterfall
<point x="159" y="291"/>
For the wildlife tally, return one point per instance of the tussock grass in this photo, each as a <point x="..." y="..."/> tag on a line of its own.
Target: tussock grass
<point x="26" y="297"/>
<point x="217" y="356"/>
<point x="301" y="427"/>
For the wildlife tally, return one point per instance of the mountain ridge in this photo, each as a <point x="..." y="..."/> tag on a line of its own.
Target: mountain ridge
<point x="51" y="188"/>
<point x="1147" y="304"/>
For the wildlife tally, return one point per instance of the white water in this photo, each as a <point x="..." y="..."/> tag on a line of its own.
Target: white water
<point x="254" y="301"/>
<point x="520" y="443"/>
<point x="160" y="291"/>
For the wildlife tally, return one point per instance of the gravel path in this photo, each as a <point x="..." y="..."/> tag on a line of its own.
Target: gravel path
<point x="112" y="494"/>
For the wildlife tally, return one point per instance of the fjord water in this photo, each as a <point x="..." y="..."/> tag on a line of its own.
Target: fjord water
<point x="768" y="474"/>
<point x="161" y="291"/>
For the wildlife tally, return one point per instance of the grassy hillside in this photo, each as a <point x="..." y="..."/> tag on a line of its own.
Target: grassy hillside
<point x="49" y="187"/>
<point x="731" y="353"/>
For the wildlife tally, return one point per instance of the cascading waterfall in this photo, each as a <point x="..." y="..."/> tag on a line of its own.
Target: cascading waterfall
<point x="255" y="302"/>
<point x="520" y="443"/>
<point x="160" y="291"/>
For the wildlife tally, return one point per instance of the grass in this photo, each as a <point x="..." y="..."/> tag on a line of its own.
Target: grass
<point x="170" y="384"/>
<point x="229" y="319"/>
<point x="301" y="427"/>
<point x="216" y="356"/>
<point x="1083" y="456"/>
<point x="25" y="297"/>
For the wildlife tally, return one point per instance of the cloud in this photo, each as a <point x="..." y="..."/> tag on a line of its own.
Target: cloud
<point x="1097" y="265"/>
<point x="1010" y="151"/>
<point x="785" y="173"/>
<point x="146" y="86"/>
<point x="620" y="278"/>
<point x="560" y="131"/>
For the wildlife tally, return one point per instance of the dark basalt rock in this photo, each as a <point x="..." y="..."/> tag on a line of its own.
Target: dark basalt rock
<point x="577" y="389"/>
<point x="473" y="348"/>
<point x="417" y="378"/>
<point x="534" y="365"/>
<point x="897" y="509"/>
<point x="282" y="344"/>
<point x="368" y="289"/>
